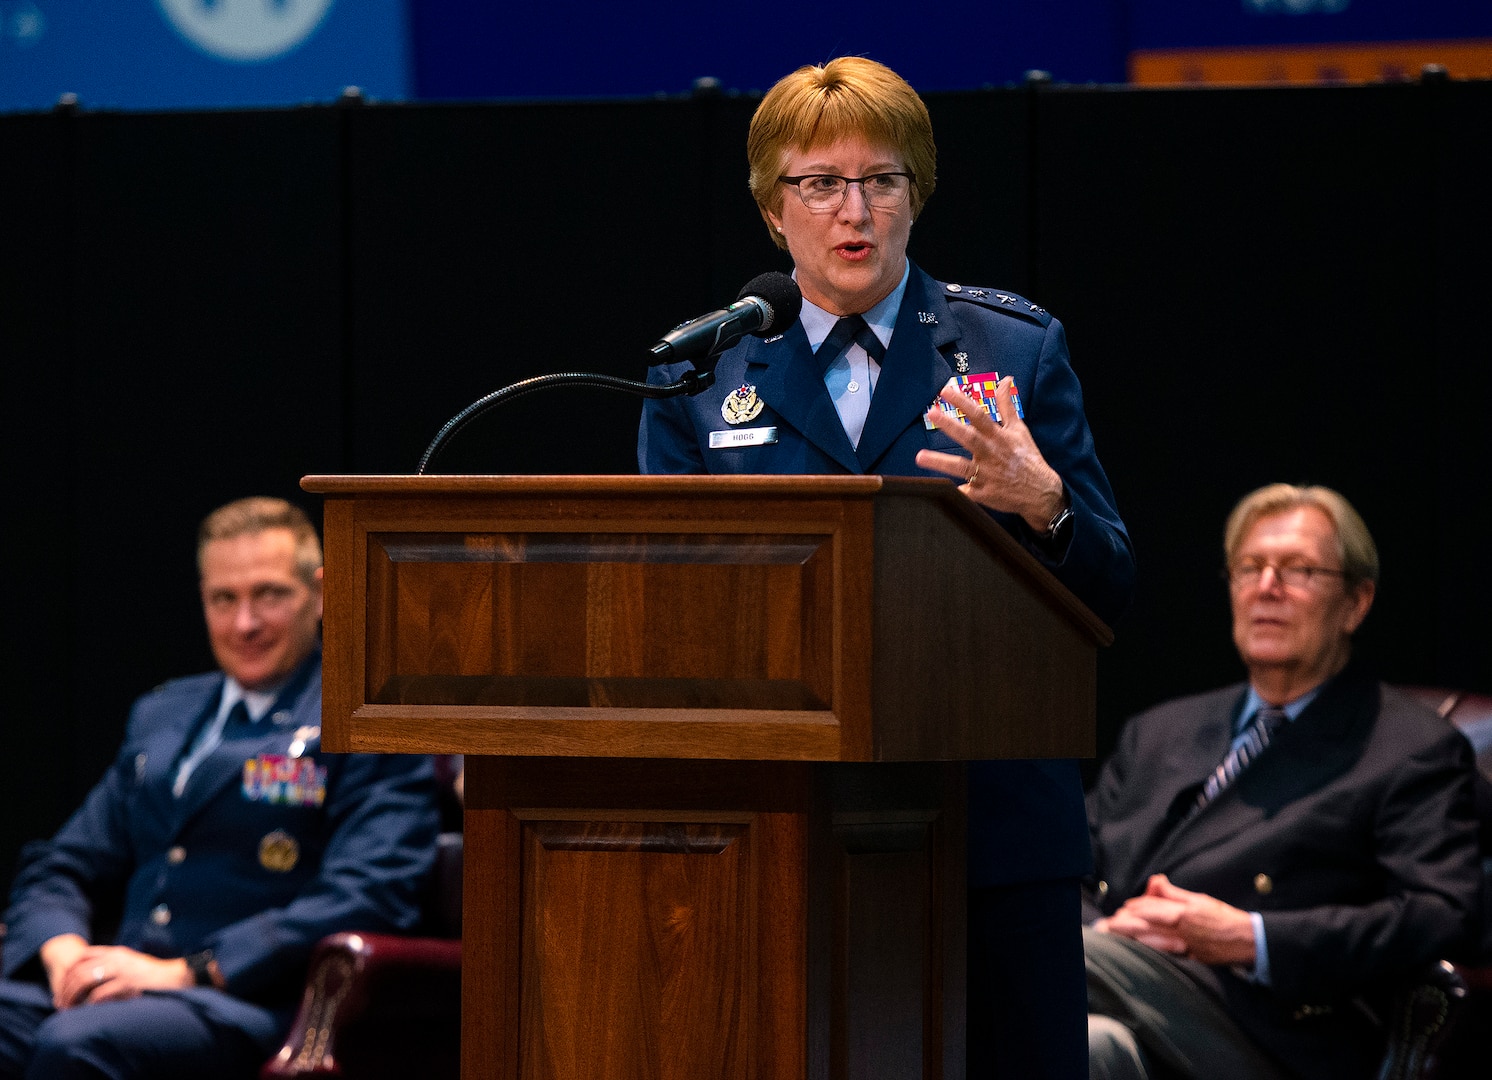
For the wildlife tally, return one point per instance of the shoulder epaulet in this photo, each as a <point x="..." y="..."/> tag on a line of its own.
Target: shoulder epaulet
<point x="182" y="680"/>
<point x="998" y="300"/>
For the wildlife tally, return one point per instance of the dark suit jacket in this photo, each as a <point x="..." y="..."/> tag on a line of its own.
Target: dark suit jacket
<point x="1353" y="835"/>
<point x="264" y="853"/>
<point x="1041" y="831"/>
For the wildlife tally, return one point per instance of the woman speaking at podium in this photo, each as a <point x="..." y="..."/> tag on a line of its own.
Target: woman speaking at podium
<point x="872" y="378"/>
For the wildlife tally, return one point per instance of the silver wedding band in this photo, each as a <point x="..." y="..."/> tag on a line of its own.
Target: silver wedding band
<point x="99" y="974"/>
<point x="974" y="474"/>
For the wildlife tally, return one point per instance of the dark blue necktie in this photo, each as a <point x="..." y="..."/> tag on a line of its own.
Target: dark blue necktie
<point x="850" y="329"/>
<point x="238" y="723"/>
<point x="235" y="725"/>
<point x="851" y="398"/>
<point x="1255" y="740"/>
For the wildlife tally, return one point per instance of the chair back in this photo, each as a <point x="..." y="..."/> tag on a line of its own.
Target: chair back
<point x="1472" y="713"/>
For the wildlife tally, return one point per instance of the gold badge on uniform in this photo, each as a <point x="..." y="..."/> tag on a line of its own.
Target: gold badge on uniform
<point x="741" y="406"/>
<point x="278" y="852"/>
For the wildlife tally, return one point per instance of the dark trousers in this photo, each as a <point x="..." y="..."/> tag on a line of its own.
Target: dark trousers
<point x="1028" y="1001"/>
<point x="1181" y="1029"/>
<point x="186" y="1034"/>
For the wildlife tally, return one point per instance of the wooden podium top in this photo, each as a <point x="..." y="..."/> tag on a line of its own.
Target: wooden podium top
<point x="825" y="618"/>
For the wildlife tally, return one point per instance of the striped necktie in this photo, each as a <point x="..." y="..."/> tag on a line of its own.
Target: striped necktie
<point x="1255" y="739"/>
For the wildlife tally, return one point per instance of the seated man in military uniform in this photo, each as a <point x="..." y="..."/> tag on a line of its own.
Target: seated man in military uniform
<point x="222" y="839"/>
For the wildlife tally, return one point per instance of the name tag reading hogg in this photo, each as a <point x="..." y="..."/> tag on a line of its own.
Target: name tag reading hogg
<point x="732" y="437"/>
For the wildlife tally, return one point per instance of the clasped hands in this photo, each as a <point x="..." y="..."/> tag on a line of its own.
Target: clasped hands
<point x="1184" y="923"/>
<point x="80" y="973"/>
<point x="1004" y="471"/>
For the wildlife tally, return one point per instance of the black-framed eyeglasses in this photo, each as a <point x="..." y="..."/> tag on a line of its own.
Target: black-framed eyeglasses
<point x="825" y="191"/>
<point x="1247" y="573"/>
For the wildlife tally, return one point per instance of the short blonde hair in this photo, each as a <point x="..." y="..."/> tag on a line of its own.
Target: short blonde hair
<point x="257" y="514"/>
<point x="1355" y="545"/>
<point x="849" y="96"/>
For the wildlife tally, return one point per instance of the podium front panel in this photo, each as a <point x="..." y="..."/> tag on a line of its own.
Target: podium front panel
<point x="743" y="618"/>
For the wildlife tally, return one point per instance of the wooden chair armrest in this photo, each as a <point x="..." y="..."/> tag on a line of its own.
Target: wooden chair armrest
<point x="375" y="1006"/>
<point x="1423" y="1014"/>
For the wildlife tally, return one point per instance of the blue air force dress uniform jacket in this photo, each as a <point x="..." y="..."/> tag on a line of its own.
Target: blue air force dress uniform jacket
<point x="941" y="330"/>
<point x="271" y="846"/>
<point x="1353" y="836"/>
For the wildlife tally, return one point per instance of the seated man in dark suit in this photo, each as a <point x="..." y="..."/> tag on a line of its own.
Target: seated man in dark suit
<point x="1273" y="855"/>
<point x="222" y="839"/>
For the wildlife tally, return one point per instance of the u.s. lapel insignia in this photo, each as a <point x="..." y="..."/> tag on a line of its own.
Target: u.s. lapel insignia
<point x="741" y="406"/>
<point x="278" y="852"/>
<point x="927" y="318"/>
<point x="961" y="362"/>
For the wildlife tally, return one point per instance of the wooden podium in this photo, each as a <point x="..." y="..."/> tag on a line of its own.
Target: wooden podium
<point x="714" y="727"/>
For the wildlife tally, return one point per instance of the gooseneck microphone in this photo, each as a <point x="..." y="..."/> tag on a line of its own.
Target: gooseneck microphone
<point x="768" y="305"/>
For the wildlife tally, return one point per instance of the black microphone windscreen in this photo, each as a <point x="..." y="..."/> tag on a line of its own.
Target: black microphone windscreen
<point x="779" y="290"/>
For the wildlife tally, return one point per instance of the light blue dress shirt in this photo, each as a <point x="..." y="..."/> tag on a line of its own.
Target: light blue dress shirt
<point x="851" y="379"/>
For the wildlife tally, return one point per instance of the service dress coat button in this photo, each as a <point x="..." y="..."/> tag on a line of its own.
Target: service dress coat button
<point x="1263" y="884"/>
<point x="176" y="855"/>
<point x="160" y="915"/>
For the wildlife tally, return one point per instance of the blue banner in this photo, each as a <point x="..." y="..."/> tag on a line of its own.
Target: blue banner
<point x="154" y="54"/>
<point x="467" y="49"/>
<point x="1189" y="24"/>
<point x="168" y="54"/>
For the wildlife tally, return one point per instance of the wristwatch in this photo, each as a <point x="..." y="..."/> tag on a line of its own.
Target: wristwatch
<point x="204" y="969"/>
<point x="1060" y="525"/>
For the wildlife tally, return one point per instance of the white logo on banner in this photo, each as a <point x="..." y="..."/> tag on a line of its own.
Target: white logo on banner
<point x="245" y="30"/>
<point x="22" y="22"/>
<point x="1297" y="7"/>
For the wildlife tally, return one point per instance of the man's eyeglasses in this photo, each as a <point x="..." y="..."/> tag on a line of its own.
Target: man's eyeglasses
<point x="825" y="191"/>
<point x="1247" y="573"/>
